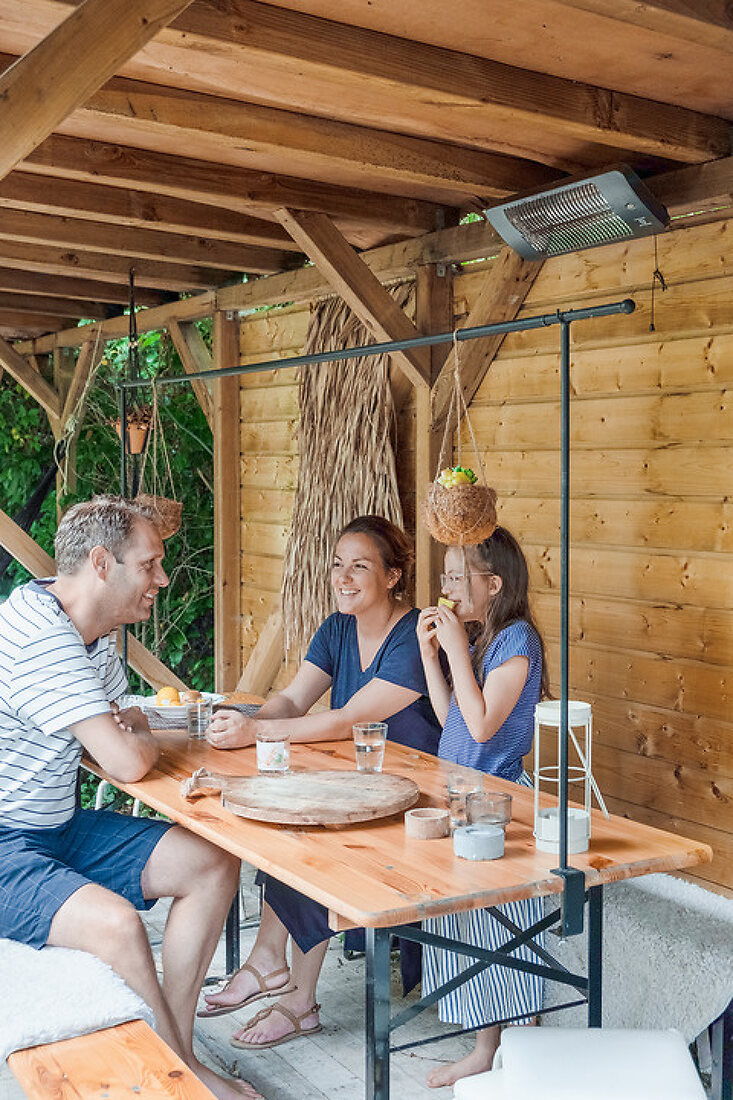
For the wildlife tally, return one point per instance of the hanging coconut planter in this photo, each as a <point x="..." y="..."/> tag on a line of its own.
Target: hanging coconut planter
<point x="168" y="513"/>
<point x="458" y="511"/>
<point x="459" y="508"/>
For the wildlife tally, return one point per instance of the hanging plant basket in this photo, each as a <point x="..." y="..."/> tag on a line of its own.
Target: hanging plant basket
<point x="139" y="420"/>
<point x="460" y="515"/>
<point x="169" y="513"/>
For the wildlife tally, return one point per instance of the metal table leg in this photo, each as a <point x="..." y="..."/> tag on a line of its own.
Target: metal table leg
<point x="232" y="936"/>
<point x="721" y="1034"/>
<point x="377" y="1013"/>
<point x="595" y="956"/>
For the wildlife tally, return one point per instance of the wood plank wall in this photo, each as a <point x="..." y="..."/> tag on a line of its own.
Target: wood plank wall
<point x="651" y="576"/>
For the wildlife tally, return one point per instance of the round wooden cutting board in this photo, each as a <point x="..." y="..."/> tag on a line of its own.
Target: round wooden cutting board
<point x="319" y="798"/>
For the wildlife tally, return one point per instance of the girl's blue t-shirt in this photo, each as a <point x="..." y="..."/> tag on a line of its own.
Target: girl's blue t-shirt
<point x="335" y="650"/>
<point x="502" y="755"/>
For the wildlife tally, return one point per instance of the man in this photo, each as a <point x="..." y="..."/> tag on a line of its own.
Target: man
<point x="74" y="878"/>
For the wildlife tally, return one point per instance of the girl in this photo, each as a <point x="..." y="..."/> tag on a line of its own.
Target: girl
<point x="487" y="712"/>
<point x="367" y="653"/>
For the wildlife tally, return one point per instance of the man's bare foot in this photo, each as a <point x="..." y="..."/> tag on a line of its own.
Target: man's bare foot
<point x="277" y="1024"/>
<point x="443" y="1076"/>
<point x="247" y="985"/>
<point x="225" y="1088"/>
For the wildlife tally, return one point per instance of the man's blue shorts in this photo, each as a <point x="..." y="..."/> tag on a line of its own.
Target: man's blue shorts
<point x="41" y="868"/>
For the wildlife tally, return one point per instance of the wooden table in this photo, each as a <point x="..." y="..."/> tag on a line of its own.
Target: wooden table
<point x="372" y="875"/>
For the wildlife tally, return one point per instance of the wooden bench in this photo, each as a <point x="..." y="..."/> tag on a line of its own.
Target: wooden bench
<point x="116" y="1063"/>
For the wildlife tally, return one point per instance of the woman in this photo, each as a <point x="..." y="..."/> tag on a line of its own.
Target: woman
<point x="487" y="709"/>
<point x="367" y="653"/>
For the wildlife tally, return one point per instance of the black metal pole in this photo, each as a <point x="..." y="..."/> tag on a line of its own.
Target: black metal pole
<point x="564" y="581"/>
<point x="545" y="320"/>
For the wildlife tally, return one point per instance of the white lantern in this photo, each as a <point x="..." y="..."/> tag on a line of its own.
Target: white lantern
<point x="580" y="736"/>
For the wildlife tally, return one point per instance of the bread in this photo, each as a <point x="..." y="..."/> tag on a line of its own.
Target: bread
<point x="187" y="697"/>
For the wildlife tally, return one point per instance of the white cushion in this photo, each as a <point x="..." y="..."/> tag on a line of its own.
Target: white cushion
<point x="595" y="1064"/>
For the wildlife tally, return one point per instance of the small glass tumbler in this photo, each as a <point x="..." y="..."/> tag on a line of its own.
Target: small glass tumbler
<point x="459" y="786"/>
<point x="369" y="741"/>
<point x="489" y="808"/>
<point x="273" y="753"/>
<point x="198" y="719"/>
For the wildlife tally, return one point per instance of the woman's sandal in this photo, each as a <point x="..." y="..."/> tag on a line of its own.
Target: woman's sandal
<point x="297" y="1032"/>
<point x="265" y="990"/>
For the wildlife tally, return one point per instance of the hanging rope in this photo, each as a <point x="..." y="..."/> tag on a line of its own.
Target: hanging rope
<point x="62" y="447"/>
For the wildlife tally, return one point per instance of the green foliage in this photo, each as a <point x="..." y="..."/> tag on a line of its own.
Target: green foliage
<point x="181" y="628"/>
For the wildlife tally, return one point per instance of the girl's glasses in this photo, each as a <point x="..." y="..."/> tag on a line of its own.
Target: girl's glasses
<point x="447" y="580"/>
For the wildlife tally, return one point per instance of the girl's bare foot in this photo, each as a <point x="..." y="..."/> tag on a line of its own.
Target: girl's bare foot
<point x="478" y="1061"/>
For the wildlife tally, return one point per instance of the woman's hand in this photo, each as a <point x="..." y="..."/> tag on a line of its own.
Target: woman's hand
<point x="427" y="639"/>
<point x="229" y="729"/>
<point x="129" y="719"/>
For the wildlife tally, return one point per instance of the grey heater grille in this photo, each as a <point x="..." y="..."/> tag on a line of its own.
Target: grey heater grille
<point x="612" y="206"/>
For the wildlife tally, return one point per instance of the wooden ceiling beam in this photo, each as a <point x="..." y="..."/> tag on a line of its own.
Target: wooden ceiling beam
<point x="231" y="187"/>
<point x="256" y="136"/>
<point x="125" y="206"/>
<point x="23" y="373"/>
<point x="51" y="260"/>
<point x="708" y="24"/>
<point x="61" y="307"/>
<point x="394" y="84"/>
<point x="121" y="240"/>
<point x="18" y="280"/>
<point x="76" y="58"/>
<point x="361" y="290"/>
<point x="30" y="327"/>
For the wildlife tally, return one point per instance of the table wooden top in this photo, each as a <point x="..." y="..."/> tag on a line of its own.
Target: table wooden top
<point x="372" y="874"/>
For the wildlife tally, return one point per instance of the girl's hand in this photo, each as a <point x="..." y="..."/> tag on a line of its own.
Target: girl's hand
<point x="427" y="638"/>
<point x="449" y="632"/>
<point x="229" y="729"/>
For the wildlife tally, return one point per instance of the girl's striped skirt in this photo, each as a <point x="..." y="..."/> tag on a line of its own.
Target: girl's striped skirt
<point x="496" y="993"/>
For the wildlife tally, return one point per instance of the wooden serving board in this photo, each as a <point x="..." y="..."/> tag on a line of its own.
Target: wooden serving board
<point x="319" y="798"/>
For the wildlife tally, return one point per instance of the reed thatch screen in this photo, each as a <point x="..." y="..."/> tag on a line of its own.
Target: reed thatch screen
<point x="347" y="464"/>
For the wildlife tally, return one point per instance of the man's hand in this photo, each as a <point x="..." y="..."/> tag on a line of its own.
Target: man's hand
<point x="230" y="729"/>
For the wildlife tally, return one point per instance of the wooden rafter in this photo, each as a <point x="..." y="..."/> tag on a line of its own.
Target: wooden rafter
<point x="195" y="356"/>
<point x="86" y="363"/>
<point x="506" y="285"/>
<point x="30" y="555"/>
<point x="233" y="187"/>
<point x="708" y="24"/>
<point x="266" y="658"/>
<point x="43" y="87"/>
<point x="150" y="244"/>
<point x="28" y="378"/>
<point x="489" y="103"/>
<point x="61" y="286"/>
<point x="55" y="306"/>
<point x="141" y="209"/>
<point x="61" y="261"/>
<point x="361" y="290"/>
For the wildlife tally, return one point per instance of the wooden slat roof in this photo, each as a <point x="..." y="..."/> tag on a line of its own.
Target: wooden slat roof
<point x="393" y="117"/>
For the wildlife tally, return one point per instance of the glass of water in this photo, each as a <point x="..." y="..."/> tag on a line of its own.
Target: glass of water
<point x="273" y="752"/>
<point x="489" y="808"/>
<point x="369" y="740"/>
<point x="460" y="785"/>
<point x="198" y="718"/>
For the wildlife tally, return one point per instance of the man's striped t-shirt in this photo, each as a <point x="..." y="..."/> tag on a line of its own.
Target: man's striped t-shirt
<point x="49" y="679"/>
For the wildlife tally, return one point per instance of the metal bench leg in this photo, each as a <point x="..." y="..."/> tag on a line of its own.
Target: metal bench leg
<point x="721" y="1042"/>
<point x="377" y="1013"/>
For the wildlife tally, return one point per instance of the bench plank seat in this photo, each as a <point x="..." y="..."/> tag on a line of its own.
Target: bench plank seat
<point x="116" y="1063"/>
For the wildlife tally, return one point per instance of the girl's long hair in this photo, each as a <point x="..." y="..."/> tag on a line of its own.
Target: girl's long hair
<point x="502" y="555"/>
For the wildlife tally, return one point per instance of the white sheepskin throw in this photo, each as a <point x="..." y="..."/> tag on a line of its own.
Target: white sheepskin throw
<point x="667" y="958"/>
<point x="57" y="993"/>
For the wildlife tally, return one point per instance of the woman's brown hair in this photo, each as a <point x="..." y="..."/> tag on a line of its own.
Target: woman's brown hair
<point x="393" y="545"/>
<point x="502" y="555"/>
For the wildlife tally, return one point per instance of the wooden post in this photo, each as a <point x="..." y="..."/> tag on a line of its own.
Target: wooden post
<point x="63" y="375"/>
<point x="227" y="505"/>
<point x="433" y="313"/>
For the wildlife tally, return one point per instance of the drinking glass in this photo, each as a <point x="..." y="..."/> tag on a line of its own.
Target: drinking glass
<point x="198" y="718"/>
<point x="273" y="752"/>
<point x="459" y="786"/>
<point x="369" y="740"/>
<point x="489" y="808"/>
